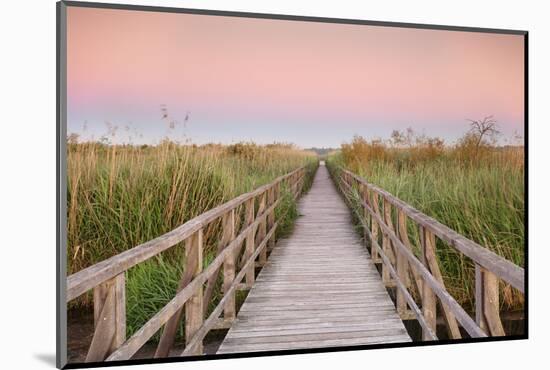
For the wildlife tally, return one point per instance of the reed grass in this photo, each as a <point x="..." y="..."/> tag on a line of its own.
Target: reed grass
<point x="122" y="196"/>
<point x="479" y="194"/>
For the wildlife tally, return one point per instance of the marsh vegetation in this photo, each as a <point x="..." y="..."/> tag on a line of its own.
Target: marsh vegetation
<point x="120" y="196"/>
<point x="473" y="186"/>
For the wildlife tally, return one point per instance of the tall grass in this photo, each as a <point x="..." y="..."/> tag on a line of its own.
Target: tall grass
<point x="481" y="198"/>
<point x="122" y="196"/>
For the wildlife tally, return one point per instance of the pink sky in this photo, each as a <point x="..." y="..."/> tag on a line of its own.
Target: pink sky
<point x="265" y="80"/>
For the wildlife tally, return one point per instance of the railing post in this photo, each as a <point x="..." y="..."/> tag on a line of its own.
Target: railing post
<point x="229" y="268"/>
<point x="297" y="180"/>
<point x="228" y="234"/>
<point x="262" y="259"/>
<point x="480" y="316"/>
<point x="109" y="318"/>
<point x="374" y="227"/>
<point x="487" y="302"/>
<point x="433" y="266"/>
<point x="404" y="237"/>
<point x="387" y="245"/>
<point x="364" y="199"/>
<point x="297" y="183"/>
<point x="171" y="327"/>
<point x="401" y="302"/>
<point x="249" y="247"/>
<point x="194" y="311"/>
<point x="271" y="216"/>
<point x="429" y="308"/>
<point x="345" y="178"/>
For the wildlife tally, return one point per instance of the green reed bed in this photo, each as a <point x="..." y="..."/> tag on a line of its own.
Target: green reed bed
<point x="481" y="199"/>
<point x="122" y="196"/>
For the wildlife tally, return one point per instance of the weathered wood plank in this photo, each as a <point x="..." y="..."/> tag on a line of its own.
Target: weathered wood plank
<point x="260" y="322"/>
<point x="229" y="271"/>
<point x="170" y="329"/>
<point x="104" y="328"/>
<point x="320" y="283"/>
<point x="429" y="303"/>
<point x="404" y="237"/>
<point x="244" y="348"/>
<point x="487" y="302"/>
<point x="385" y="240"/>
<point x="228" y="234"/>
<point x="298" y="337"/>
<point x="250" y="241"/>
<point x="262" y="229"/>
<point x="194" y="311"/>
<point x="433" y="265"/>
<point x="109" y="318"/>
<point x="271" y="217"/>
<point x="480" y="315"/>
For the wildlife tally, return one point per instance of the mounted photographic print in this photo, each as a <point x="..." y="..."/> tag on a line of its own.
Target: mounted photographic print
<point x="235" y="184"/>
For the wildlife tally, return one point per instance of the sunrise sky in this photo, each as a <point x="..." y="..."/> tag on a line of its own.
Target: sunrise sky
<point x="313" y="84"/>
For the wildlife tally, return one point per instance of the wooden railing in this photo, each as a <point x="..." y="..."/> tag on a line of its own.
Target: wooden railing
<point x="248" y="219"/>
<point x="384" y="219"/>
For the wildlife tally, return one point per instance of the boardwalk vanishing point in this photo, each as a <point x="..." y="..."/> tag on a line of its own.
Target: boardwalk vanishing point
<point x="319" y="287"/>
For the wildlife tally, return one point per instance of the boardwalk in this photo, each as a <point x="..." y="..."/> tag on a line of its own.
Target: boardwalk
<point x="319" y="287"/>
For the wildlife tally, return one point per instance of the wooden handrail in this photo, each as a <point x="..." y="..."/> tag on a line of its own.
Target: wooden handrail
<point x="398" y="261"/>
<point x="504" y="269"/>
<point x="86" y="279"/>
<point x="107" y="278"/>
<point x="140" y="337"/>
<point x="211" y="321"/>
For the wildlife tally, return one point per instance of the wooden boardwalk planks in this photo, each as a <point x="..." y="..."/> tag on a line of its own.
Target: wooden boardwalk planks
<point x="319" y="288"/>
